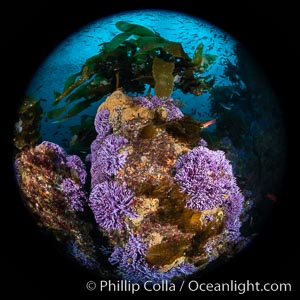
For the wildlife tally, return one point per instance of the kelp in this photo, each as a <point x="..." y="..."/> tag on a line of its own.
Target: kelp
<point x="147" y="44"/>
<point x="55" y="113"/>
<point x="116" y="41"/>
<point x="138" y="30"/>
<point x="70" y="81"/>
<point x="27" y="128"/>
<point x="140" y="57"/>
<point x="85" y="75"/>
<point x="202" y="61"/>
<point x="163" y="76"/>
<point x="76" y="109"/>
<point x="83" y="135"/>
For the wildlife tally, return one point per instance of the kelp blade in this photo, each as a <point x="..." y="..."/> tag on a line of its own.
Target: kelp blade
<point x="134" y="29"/>
<point x="76" y="109"/>
<point x="55" y="113"/>
<point x="153" y="43"/>
<point x="163" y="76"/>
<point x="117" y="41"/>
<point x="70" y="81"/>
<point x="198" y="55"/>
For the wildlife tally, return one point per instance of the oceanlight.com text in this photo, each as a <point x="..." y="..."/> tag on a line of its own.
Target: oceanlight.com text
<point x="239" y="287"/>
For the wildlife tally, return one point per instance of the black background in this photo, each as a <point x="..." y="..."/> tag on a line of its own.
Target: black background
<point x="32" y="265"/>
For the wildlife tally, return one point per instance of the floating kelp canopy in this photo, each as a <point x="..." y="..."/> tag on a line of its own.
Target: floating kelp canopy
<point x="134" y="59"/>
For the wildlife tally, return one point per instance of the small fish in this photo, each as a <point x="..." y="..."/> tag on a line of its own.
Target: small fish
<point x="208" y="123"/>
<point x="226" y="106"/>
<point x="272" y="197"/>
<point x="179" y="103"/>
<point x="73" y="140"/>
<point x="251" y="221"/>
<point x="236" y="93"/>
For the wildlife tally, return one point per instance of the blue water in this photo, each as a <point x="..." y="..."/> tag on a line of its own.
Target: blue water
<point x="72" y="53"/>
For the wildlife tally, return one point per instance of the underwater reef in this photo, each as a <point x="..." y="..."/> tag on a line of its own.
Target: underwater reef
<point x="168" y="204"/>
<point x="164" y="203"/>
<point x="145" y="197"/>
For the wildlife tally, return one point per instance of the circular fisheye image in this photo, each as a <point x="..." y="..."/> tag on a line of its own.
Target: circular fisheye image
<point x="150" y="149"/>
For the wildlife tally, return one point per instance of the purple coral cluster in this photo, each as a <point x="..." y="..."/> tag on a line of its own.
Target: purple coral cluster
<point x="106" y="158"/>
<point x="60" y="153"/>
<point x="105" y="150"/>
<point x="101" y="123"/>
<point x="81" y="257"/>
<point x="110" y="202"/>
<point x="74" y="191"/>
<point x="207" y="177"/>
<point x="131" y="263"/>
<point x="173" y="112"/>
<point x="75" y="163"/>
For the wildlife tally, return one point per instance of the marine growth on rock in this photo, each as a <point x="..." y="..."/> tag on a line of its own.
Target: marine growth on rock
<point x="145" y="198"/>
<point x="165" y="204"/>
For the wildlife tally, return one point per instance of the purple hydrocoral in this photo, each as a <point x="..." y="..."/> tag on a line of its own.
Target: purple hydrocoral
<point x="74" y="193"/>
<point x="207" y="177"/>
<point x="144" y="102"/>
<point x="81" y="257"/>
<point x="110" y="202"/>
<point x="173" y="112"/>
<point x="233" y="209"/>
<point x="106" y="159"/>
<point x="59" y="151"/>
<point x="202" y="143"/>
<point x="133" y="266"/>
<point x="102" y="126"/>
<point x="75" y="163"/>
